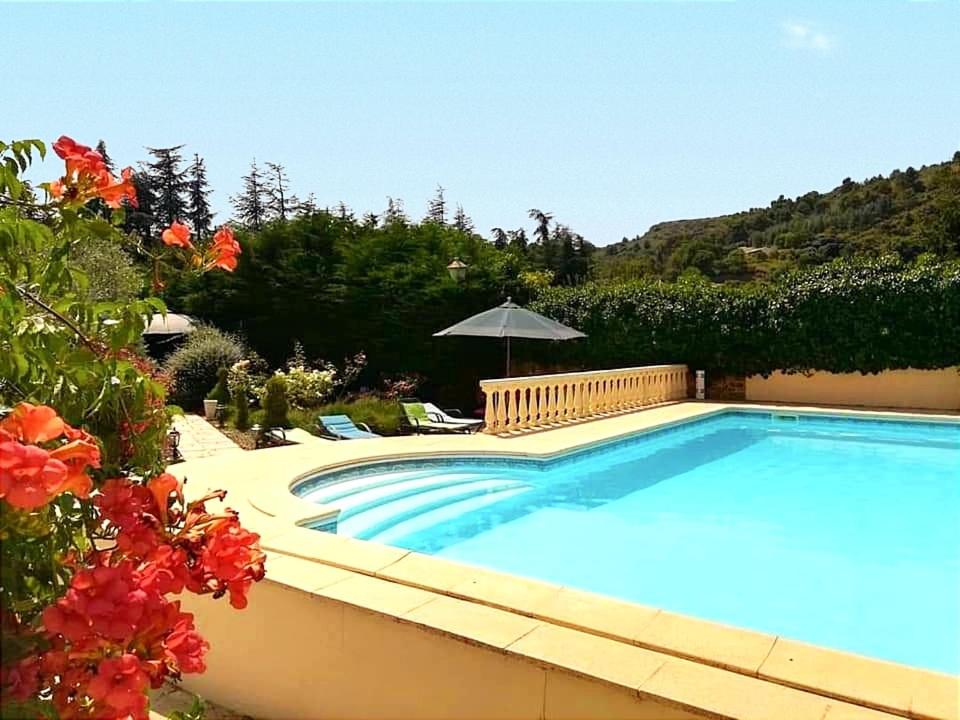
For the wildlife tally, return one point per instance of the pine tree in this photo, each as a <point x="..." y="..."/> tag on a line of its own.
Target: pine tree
<point x="343" y="211"/>
<point x="518" y="240"/>
<point x="370" y="220"/>
<point x="198" y="190"/>
<point x="99" y="206"/>
<point x="437" y="208"/>
<point x="308" y="206"/>
<point x="500" y="238"/>
<point x="462" y="221"/>
<point x="542" y="233"/>
<point x="394" y="212"/>
<point x="168" y="184"/>
<point x="102" y="149"/>
<point x="280" y="200"/>
<point x="251" y="204"/>
<point x="140" y="221"/>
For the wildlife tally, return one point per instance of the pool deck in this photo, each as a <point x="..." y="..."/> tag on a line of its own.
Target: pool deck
<point x="701" y="667"/>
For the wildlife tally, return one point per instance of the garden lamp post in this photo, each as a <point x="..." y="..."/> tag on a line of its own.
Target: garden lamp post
<point x="457" y="269"/>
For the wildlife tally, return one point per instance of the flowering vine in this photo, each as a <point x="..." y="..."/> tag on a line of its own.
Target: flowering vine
<point x="98" y="540"/>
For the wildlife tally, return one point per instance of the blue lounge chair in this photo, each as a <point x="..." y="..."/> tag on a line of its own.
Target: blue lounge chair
<point x="341" y="427"/>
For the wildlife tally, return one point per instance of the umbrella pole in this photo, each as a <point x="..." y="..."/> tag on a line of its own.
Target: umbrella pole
<point x="508" y="356"/>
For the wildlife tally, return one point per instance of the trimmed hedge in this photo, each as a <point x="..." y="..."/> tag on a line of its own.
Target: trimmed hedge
<point x="848" y="316"/>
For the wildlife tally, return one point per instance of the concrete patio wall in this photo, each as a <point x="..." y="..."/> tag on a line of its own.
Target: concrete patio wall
<point x="915" y="389"/>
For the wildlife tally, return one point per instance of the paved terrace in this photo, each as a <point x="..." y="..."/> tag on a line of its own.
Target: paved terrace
<point x="199" y="439"/>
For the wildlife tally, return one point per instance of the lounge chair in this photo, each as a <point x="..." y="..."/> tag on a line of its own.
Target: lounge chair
<point x="269" y="436"/>
<point x="341" y="427"/>
<point x="421" y="417"/>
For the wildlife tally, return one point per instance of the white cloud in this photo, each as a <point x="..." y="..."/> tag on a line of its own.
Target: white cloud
<point x="805" y="36"/>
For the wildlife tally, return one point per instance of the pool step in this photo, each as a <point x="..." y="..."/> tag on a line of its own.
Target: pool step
<point x="367" y="498"/>
<point x="328" y="494"/>
<point x="431" y="518"/>
<point x="371" y="518"/>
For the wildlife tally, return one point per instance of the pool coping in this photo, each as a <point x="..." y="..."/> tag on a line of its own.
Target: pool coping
<point x="272" y="510"/>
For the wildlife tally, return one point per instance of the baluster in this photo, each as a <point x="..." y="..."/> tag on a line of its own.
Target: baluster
<point x="501" y="409"/>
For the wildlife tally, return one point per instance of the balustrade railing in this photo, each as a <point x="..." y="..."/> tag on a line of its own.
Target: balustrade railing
<point x="538" y="401"/>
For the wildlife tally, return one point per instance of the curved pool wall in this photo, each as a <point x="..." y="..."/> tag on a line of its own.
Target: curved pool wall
<point x="739" y="517"/>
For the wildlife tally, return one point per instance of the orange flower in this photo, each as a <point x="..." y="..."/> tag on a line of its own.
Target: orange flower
<point x="87" y="177"/>
<point x="33" y="424"/>
<point x="177" y="235"/>
<point x="31" y="476"/>
<point x="79" y="158"/>
<point x="112" y="192"/>
<point x="77" y="455"/>
<point x="224" y="250"/>
<point x="160" y="487"/>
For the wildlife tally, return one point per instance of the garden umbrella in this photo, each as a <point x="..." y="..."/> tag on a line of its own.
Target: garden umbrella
<point x="509" y="321"/>
<point x="170" y="324"/>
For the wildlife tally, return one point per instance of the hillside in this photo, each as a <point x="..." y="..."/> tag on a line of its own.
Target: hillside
<point x="908" y="212"/>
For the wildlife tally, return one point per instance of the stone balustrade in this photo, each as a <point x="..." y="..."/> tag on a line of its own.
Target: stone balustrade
<point x="538" y="401"/>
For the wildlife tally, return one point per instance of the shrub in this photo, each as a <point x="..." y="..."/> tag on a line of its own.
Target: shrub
<point x="220" y="393"/>
<point x="193" y="366"/>
<point x="401" y="386"/>
<point x="307" y="388"/>
<point x="246" y="375"/>
<point x="274" y="402"/>
<point x="382" y="415"/>
<point x="242" y="404"/>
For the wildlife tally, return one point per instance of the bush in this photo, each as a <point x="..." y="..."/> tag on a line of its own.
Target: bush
<point x="247" y="375"/>
<point x="220" y="393"/>
<point x="194" y="365"/>
<point x="242" y="404"/>
<point x="307" y="388"/>
<point x="849" y="316"/>
<point x="274" y="402"/>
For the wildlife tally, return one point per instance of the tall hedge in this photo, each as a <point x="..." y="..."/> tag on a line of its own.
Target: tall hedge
<point x="849" y="316"/>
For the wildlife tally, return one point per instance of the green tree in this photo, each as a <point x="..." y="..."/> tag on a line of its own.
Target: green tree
<point x="437" y="208"/>
<point x="168" y="184"/>
<point x="462" y="221"/>
<point x="251" y="204"/>
<point x="198" y="203"/>
<point x="111" y="275"/>
<point x="280" y="201"/>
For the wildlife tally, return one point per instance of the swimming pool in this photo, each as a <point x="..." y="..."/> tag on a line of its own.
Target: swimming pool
<point x="836" y="531"/>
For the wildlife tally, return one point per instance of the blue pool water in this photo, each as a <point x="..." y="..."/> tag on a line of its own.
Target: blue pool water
<point x="839" y="532"/>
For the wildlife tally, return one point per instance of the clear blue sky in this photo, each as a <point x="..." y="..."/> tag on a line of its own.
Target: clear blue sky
<point x="612" y="116"/>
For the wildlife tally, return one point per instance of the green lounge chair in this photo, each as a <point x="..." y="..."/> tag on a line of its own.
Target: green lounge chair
<point x="341" y="427"/>
<point x="421" y="417"/>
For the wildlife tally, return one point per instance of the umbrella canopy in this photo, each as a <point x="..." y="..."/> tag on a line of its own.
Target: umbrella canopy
<point x="509" y="321"/>
<point x="170" y="324"/>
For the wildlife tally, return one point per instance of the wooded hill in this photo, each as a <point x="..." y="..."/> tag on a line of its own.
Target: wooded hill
<point x="909" y="212"/>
